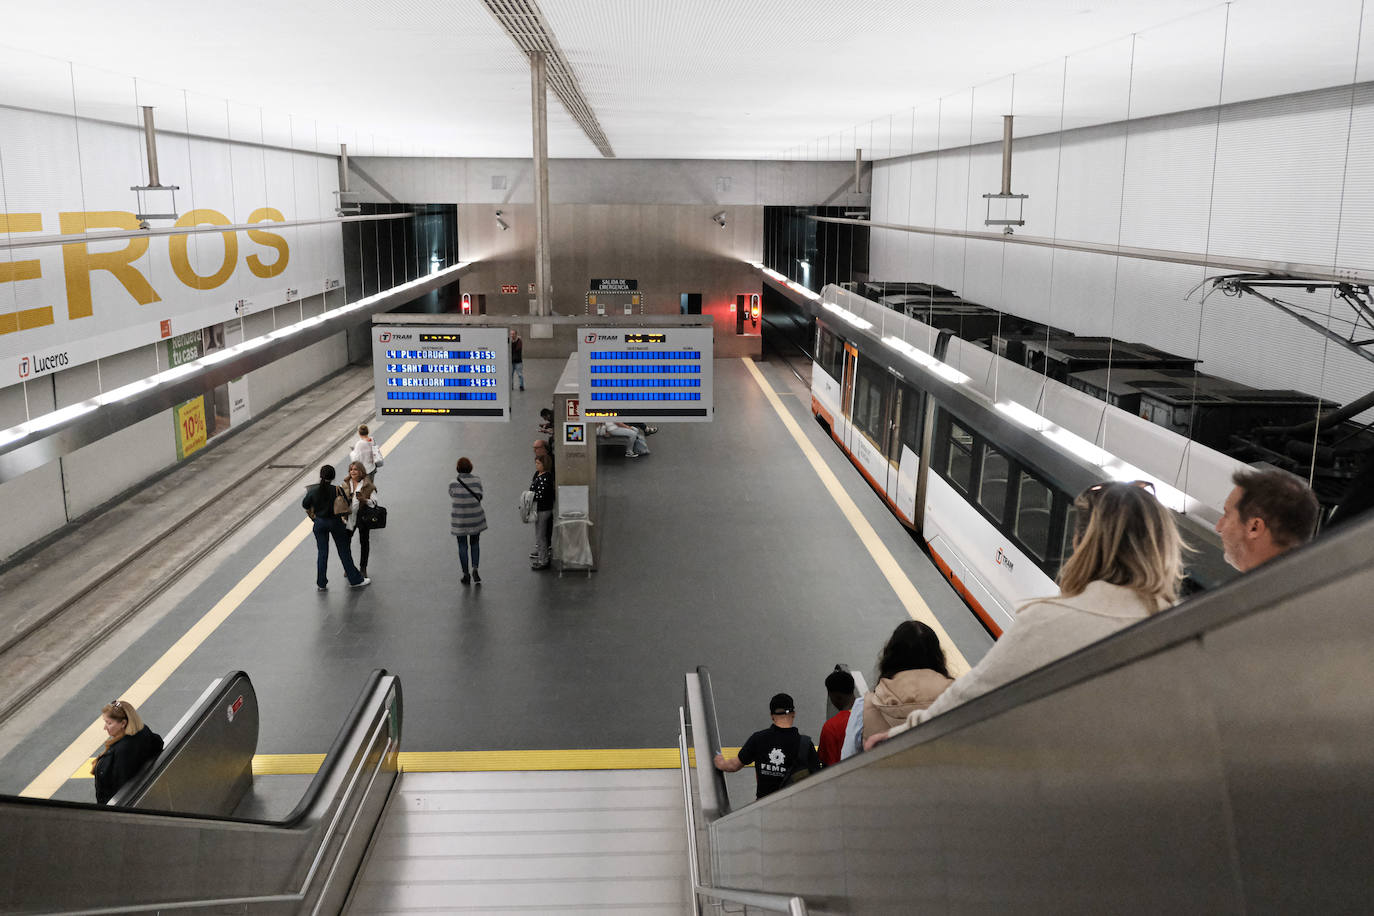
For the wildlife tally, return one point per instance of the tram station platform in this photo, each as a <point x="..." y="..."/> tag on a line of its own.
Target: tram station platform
<point x="748" y="544"/>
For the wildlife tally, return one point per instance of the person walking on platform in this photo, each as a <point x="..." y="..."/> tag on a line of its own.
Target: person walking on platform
<point x="130" y="746"/>
<point x="328" y="506"/>
<point x="517" y="359"/>
<point x="779" y="752"/>
<point x="468" y="519"/>
<point x="542" y="487"/>
<point x="367" y="453"/>
<point x="361" y="492"/>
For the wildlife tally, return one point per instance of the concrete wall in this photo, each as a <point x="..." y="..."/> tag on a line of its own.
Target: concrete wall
<point x="1284" y="179"/>
<point x="45" y="499"/>
<point x="647" y="220"/>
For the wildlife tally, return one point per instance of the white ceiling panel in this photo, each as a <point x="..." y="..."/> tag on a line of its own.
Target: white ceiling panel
<point x="738" y="79"/>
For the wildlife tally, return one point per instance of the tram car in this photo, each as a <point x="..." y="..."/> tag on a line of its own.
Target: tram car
<point x="988" y="493"/>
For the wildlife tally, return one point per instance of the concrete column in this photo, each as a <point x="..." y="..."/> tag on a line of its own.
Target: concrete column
<point x="543" y="270"/>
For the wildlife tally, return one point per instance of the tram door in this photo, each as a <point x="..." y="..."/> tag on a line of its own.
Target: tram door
<point x="851" y="366"/>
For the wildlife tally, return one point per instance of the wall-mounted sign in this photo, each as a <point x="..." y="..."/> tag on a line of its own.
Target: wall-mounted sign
<point x="575" y="434"/>
<point x="446" y="372"/>
<point x="510" y="289"/>
<point x="646" y="374"/>
<point x="613" y="286"/>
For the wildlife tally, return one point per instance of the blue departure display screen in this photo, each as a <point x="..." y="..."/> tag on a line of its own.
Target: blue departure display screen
<point x="453" y="372"/>
<point x="647" y="375"/>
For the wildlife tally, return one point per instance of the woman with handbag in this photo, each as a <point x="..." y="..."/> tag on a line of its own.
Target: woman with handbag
<point x="468" y="519"/>
<point x="327" y="506"/>
<point x="362" y="493"/>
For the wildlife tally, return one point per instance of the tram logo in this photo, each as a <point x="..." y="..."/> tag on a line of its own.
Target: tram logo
<point x="24" y="367"/>
<point x="384" y="337"/>
<point x="1004" y="560"/>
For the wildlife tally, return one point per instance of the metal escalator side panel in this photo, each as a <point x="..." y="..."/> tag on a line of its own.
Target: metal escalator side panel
<point x="69" y="858"/>
<point x="206" y="766"/>
<point x="1214" y="758"/>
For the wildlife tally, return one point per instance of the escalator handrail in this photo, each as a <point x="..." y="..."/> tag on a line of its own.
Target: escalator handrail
<point x="334" y="755"/>
<point x="712" y="727"/>
<point x="184" y="729"/>
<point x="298" y="815"/>
<point x="1282" y="579"/>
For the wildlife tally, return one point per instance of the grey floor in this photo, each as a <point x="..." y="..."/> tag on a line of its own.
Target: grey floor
<point x="721" y="549"/>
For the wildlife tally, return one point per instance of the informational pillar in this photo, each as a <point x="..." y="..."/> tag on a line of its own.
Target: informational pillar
<point x="543" y="271"/>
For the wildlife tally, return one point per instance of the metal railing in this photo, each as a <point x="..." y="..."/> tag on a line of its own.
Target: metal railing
<point x="712" y="786"/>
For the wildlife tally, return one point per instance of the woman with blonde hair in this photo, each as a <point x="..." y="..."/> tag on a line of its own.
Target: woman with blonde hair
<point x="361" y="491"/>
<point x="1126" y="565"/>
<point x="131" y="745"/>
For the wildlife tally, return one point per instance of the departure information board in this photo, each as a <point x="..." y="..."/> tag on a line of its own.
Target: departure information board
<point x="659" y="375"/>
<point x="456" y="373"/>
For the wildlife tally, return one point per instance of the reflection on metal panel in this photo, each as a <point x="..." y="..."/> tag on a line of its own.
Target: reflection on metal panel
<point x="1217" y="758"/>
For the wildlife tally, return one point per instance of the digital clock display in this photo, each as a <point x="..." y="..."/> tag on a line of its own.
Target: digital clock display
<point x="646" y="338"/>
<point x="441" y="372"/>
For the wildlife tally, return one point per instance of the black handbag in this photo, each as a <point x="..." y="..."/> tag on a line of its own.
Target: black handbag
<point x="371" y="516"/>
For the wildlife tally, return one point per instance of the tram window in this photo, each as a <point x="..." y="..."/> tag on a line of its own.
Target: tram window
<point x="909" y="430"/>
<point x="869" y="410"/>
<point x="829" y="351"/>
<point x="959" y="463"/>
<point x="992" y="486"/>
<point x="1033" y="504"/>
<point x="1070" y="521"/>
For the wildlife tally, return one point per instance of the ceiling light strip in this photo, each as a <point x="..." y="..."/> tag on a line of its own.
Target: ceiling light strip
<point x="526" y="26"/>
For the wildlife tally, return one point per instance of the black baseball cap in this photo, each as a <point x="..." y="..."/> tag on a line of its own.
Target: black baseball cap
<point x="781" y="705"/>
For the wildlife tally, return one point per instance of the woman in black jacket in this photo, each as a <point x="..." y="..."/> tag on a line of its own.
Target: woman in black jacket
<point x="319" y="504"/>
<point x="542" y="487"/>
<point x="131" y="745"/>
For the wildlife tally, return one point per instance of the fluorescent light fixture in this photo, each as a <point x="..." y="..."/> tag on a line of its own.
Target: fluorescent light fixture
<point x="848" y="316"/>
<point x="1023" y="415"/>
<point x="1112" y="466"/>
<point x="770" y="272"/>
<point x="169" y="375"/>
<point x="70" y="412"/>
<point x="944" y="370"/>
<point x="812" y="296"/>
<point x="124" y="391"/>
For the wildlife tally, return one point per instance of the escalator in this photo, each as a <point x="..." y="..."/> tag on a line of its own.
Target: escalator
<point x="189" y="835"/>
<point x="1216" y="758"/>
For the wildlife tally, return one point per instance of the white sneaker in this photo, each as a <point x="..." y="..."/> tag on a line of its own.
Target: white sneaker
<point x="363" y="584"/>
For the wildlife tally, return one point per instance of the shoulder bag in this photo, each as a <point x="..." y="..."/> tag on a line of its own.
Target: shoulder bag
<point x="469" y="489"/>
<point x="371" y="516"/>
<point x="341" y="501"/>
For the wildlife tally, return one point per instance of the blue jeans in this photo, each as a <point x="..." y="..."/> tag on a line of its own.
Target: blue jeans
<point x="517" y="369"/>
<point x="463" y="541"/>
<point x="334" y="527"/>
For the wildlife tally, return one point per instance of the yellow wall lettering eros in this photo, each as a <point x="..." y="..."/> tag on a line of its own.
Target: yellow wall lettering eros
<point x="79" y="262"/>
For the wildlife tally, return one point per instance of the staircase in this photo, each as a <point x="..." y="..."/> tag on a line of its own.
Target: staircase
<point x="531" y="842"/>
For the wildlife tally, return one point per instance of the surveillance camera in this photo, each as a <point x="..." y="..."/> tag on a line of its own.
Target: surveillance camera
<point x="498" y="212"/>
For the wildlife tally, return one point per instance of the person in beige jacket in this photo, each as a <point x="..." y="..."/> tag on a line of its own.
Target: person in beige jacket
<point x="1126" y="565"/>
<point x="911" y="675"/>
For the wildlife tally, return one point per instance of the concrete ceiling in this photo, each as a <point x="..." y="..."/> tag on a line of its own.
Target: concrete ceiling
<point x="667" y="79"/>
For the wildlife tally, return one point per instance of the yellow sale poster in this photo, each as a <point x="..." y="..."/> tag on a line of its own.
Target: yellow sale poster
<point x="190" y="423"/>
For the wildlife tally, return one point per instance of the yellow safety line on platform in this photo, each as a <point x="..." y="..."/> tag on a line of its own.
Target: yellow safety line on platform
<point x="887" y="564"/>
<point x="73" y="758"/>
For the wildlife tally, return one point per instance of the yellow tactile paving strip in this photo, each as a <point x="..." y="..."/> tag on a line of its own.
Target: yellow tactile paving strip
<point x="887" y="564"/>
<point x="629" y="758"/>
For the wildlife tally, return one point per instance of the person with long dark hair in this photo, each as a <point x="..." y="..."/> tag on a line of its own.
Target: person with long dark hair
<point x="328" y="505"/>
<point x="1127" y="564"/>
<point x="911" y="675"/>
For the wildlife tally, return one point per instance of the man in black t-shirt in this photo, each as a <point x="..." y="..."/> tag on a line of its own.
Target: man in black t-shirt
<point x="777" y="752"/>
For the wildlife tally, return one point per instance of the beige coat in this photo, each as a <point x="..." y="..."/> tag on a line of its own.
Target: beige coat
<point x="1044" y="631"/>
<point x="900" y="695"/>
